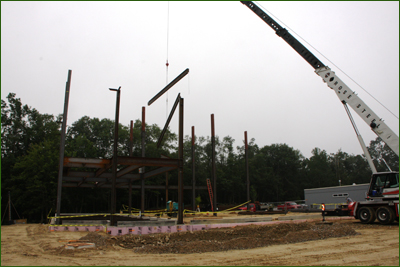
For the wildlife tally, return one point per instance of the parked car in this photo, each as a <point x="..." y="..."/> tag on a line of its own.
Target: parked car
<point x="252" y="207"/>
<point x="288" y="206"/>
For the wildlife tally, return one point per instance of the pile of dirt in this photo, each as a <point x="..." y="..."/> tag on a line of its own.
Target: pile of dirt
<point x="223" y="239"/>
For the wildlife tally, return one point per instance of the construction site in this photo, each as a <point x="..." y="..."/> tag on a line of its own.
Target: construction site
<point x="247" y="234"/>
<point x="344" y="242"/>
<point x="175" y="236"/>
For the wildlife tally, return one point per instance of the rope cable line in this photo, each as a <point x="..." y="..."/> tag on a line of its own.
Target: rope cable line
<point x="167" y="64"/>
<point x="330" y="62"/>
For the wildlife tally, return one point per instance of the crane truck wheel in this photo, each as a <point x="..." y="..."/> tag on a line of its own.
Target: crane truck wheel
<point x="366" y="215"/>
<point x="385" y="215"/>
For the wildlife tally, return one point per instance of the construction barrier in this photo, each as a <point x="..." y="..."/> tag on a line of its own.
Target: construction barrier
<point x="144" y="230"/>
<point x="134" y="210"/>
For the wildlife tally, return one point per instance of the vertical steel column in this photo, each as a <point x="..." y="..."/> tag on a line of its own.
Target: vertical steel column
<point x="115" y="161"/>
<point x="131" y="140"/>
<point x="62" y="146"/>
<point x="166" y="187"/>
<point x="214" y="173"/>
<point x="180" y="171"/>
<point x="9" y="207"/>
<point x="193" y="172"/>
<point x="130" y="181"/>
<point x="247" y="169"/>
<point x="142" y="169"/>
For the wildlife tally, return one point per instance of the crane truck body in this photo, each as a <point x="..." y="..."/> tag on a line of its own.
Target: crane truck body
<point x="382" y="198"/>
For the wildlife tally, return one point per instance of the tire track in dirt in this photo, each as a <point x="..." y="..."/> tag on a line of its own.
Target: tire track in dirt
<point x="41" y="247"/>
<point x="334" y="251"/>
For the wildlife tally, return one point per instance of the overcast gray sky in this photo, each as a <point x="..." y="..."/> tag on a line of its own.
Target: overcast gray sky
<point x="240" y="70"/>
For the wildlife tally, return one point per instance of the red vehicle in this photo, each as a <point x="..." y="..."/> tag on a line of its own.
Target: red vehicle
<point x="289" y="206"/>
<point x="252" y="207"/>
<point x="341" y="210"/>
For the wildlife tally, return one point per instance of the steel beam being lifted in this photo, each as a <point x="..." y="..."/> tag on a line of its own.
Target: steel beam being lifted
<point x="166" y="88"/>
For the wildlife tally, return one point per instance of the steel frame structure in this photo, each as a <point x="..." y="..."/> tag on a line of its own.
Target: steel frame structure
<point x="116" y="172"/>
<point x="99" y="174"/>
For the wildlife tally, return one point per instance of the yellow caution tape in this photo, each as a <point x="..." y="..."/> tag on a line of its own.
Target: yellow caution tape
<point x="87" y="215"/>
<point x="70" y="225"/>
<point x="125" y="208"/>
<point x="222" y="211"/>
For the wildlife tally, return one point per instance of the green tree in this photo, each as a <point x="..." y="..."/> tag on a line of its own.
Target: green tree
<point x="381" y="152"/>
<point x="34" y="180"/>
<point x="318" y="169"/>
<point x="277" y="171"/>
<point x="23" y="129"/>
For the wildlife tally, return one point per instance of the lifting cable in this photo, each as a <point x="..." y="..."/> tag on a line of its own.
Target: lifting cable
<point x="329" y="61"/>
<point x="167" y="64"/>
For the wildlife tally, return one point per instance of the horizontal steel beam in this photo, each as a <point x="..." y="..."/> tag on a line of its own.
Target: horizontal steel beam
<point x="122" y="160"/>
<point x="85" y="162"/>
<point x="160" y="162"/>
<point x="154" y="187"/>
<point x="94" y="180"/>
<point x="127" y="170"/>
<point x="90" y="176"/>
<point x="158" y="171"/>
<point x="107" y="175"/>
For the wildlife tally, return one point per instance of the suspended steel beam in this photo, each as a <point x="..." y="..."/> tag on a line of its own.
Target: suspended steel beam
<point x="166" y="88"/>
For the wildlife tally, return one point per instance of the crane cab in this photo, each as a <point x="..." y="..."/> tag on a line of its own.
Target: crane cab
<point x="384" y="185"/>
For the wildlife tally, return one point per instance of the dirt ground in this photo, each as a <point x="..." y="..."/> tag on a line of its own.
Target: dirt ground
<point x="344" y="242"/>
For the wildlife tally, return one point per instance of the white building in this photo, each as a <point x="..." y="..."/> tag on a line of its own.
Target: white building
<point x="333" y="196"/>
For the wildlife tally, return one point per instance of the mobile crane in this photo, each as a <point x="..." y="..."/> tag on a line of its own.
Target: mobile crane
<point x="382" y="198"/>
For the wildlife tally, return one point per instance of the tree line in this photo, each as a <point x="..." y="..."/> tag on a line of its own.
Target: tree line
<point x="30" y="144"/>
